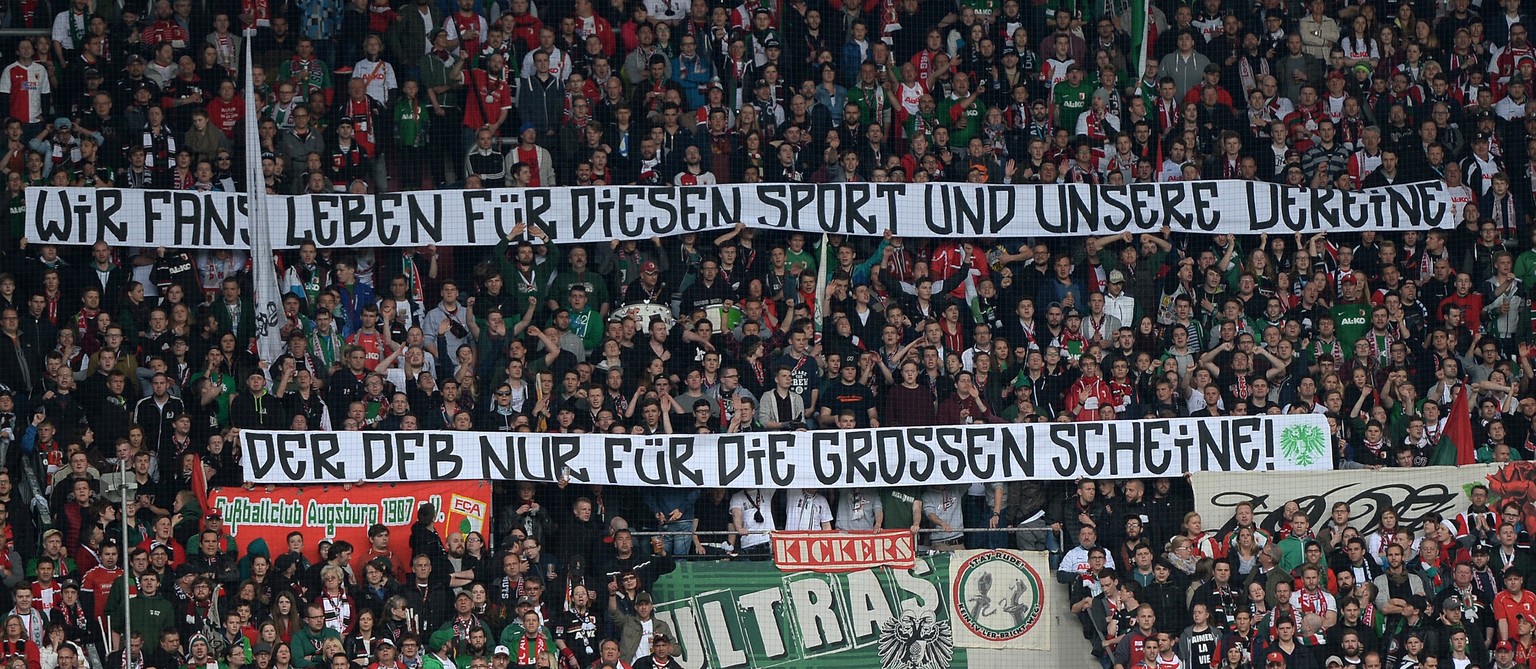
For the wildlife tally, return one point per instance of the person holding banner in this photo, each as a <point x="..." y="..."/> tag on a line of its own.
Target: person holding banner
<point x="1284" y="264"/>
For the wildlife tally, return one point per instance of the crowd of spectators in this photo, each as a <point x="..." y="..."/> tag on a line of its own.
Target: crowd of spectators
<point x="119" y="365"/>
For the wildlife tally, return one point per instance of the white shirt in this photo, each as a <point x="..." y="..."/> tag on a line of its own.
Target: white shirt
<point x="806" y="512"/>
<point x="750" y="502"/>
<point x="380" y="77"/>
<point x="644" y="648"/>
<point x="1075" y="561"/>
<point x="62" y="32"/>
<point x="1122" y="308"/>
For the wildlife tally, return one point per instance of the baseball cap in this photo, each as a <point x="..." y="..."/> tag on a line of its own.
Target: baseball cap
<point x="62" y="123"/>
<point x="502" y="650"/>
<point x="1116" y="276"/>
<point x="1275" y="656"/>
<point x="1503" y="646"/>
<point x="1348" y="278"/>
<point x="1213" y="68"/>
<point x="386" y="641"/>
<point x="525" y="601"/>
<point x="643" y="598"/>
<point x="213" y="514"/>
<point x="648" y="266"/>
<point x="1333" y="660"/>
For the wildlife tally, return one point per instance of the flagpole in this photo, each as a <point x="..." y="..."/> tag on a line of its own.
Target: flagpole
<point x="267" y="296"/>
<point x="123" y="492"/>
<point x="1140" y="18"/>
<point x="821" y="285"/>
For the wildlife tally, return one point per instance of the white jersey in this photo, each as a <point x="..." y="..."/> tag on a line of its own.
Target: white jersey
<point x="909" y="95"/>
<point x="380" y="77"/>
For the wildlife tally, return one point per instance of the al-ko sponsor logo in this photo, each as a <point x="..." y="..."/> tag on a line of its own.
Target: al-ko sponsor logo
<point x="998" y="596"/>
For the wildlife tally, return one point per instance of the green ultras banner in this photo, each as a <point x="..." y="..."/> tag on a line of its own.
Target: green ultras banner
<point x="750" y="615"/>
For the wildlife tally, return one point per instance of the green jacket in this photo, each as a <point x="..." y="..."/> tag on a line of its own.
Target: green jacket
<point x="1525" y="269"/>
<point x="242" y="323"/>
<point x="306" y="646"/>
<point x="149" y="615"/>
<point x="597" y="287"/>
<point x="543" y="272"/>
<point x="514" y="633"/>
<point x="588" y="323"/>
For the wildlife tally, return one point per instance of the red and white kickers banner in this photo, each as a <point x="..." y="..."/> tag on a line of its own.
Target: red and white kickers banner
<point x="837" y="552"/>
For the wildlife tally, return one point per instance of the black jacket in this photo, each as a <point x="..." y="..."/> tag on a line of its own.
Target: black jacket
<point x="247" y="411"/>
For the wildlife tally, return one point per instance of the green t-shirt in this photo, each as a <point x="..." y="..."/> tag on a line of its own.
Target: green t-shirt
<point x="1352" y="321"/>
<point x="411" y="118"/>
<point x="229" y="389"/>
<point x="868" y="100"/>
<point x="983" y="8"/>
<point x="1485" y="455"/>
<point x="597" y="287"/>
<point x="802" y="259"/>
<point x="1071" y="101"/>
<point x="967" y="125"/>
<point x="897" y="503"/>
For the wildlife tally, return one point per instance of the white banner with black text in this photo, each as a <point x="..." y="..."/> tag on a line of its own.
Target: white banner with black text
<point x="960" y="454"/>
<point x="195" y="219"/>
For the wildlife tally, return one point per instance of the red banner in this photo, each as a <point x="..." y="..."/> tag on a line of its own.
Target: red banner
<point x="843" y="551"/>
<point x="335" y="512"/>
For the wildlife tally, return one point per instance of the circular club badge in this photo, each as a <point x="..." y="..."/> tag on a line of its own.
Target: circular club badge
<point x="997" y="596"/>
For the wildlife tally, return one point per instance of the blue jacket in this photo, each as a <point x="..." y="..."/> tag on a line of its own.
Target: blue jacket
<point x="664" y="500"/>
<point x="849" y="62"/>
<point x="353" y="300"/>
<point x="691" y="74"/>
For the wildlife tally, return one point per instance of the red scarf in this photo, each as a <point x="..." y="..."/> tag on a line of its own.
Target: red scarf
<point x="1312" y="603"/>
<point x="526" y="658"/>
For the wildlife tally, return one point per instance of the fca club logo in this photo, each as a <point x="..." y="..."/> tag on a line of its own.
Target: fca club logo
<point x="998" y="596"/>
